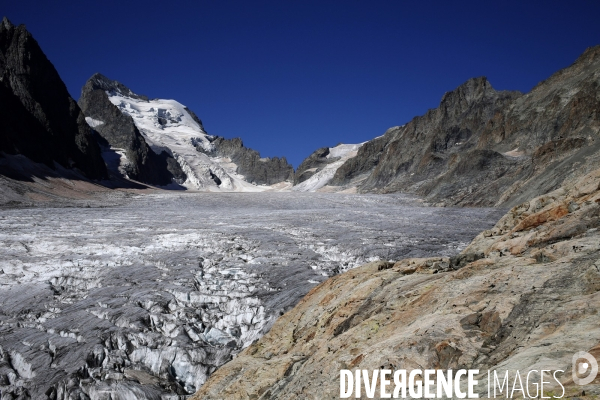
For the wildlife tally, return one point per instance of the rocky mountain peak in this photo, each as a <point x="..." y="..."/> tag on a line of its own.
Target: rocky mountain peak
<point x="99" y="81"/>
<point x="6" y="24"/>
<point x="470" y="92"/>
<point x="590" y="54"/>
<point x="40" y="119"/>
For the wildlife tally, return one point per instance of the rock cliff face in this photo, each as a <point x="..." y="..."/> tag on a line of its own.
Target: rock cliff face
<point x="118" y="132"/>
<point x="40" y="120"/>
<point x="522" y="296"/>
<point x="484" y="147"/>
<point x="254" y="168"/>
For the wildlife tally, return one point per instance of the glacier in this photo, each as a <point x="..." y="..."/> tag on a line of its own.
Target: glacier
<point x="145" y="296"/>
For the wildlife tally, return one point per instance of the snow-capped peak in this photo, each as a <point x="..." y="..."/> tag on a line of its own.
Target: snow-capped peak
<point x="171" y="126"/>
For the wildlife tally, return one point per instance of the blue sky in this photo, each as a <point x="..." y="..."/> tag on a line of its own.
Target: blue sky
<point x="289" y="77"/>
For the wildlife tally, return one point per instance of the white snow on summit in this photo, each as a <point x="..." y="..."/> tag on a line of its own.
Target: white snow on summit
<point x="322" y="178"/>
<point x="166" y="125"/>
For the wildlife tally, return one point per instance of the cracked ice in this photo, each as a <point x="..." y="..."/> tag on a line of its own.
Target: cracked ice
<point x="147" y="298"/>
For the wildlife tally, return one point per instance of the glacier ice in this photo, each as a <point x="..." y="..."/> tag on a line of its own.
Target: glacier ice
<point x="145" y="297"/>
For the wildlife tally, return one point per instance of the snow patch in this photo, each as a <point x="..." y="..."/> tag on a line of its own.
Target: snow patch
<point x="93" y="122"/>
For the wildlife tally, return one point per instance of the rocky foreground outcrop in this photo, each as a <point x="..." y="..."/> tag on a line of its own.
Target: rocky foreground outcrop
<point x="40" y="120"/>
<point x="488" y="147"/>
<point x="522" y="296"/>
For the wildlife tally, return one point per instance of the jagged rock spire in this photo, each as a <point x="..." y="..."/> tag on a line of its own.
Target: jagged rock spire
<point x="6" y="23"/>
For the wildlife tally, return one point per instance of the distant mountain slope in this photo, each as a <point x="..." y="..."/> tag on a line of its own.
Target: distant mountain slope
<point x="318" y="169"/>
<point x="254" y="168"/>
<point x="139" y="127"/>
<point x="484" y="147"/>
<point x="40" y="120"/>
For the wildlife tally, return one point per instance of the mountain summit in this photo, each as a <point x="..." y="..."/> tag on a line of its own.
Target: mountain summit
<point x="124" y="148"/>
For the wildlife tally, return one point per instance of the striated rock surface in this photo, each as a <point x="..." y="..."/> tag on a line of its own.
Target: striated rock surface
<point x="485" y="147"/>
<point x="522" y="296"/>
<point x="124" y="148"/>
<point x="40" y="120"/>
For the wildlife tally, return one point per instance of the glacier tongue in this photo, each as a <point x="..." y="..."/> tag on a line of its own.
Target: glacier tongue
<point x="168" y="125"/>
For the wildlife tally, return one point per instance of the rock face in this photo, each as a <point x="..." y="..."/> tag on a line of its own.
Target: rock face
<point x="257" y="170"/>
<point x="118" y="134"/>
<point x="484" y="147"/>
<point x="40" y="120"/>
<point x="522" y="296"/>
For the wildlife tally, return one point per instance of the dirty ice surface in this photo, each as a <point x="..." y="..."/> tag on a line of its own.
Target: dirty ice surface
<point x="144" y="300"/>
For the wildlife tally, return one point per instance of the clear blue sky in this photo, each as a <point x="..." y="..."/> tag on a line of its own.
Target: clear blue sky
<point x="289" y="77"/>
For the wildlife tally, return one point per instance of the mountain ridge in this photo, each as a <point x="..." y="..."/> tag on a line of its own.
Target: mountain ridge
<point x="482" y="147"/>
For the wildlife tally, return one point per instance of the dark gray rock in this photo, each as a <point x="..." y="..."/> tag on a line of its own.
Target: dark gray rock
<point x="421" y="149"/>
<point x="119" y="131"/>
<point x="424" y="148"/>
<point x="39" y="119"/>
<point x="262" y="171"/>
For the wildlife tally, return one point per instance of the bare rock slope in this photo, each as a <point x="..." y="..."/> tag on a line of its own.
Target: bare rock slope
<point x="485" y="147"/>
<point x="522" y="296"/>
<point x="255" y="169"/>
